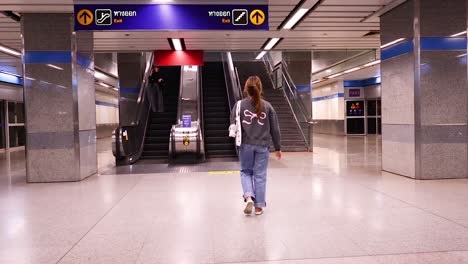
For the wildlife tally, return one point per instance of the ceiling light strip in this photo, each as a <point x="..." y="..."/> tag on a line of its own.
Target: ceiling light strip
<point x="306" y="15"/>
<point x="55" y="67"/>
<point x="271" y="43"/>
<point x="392" y="43"/>
<point x="458" y="34"/>
<point x="353" y="69"/>
<point x="295" y="18"/>
<point x="260" y="55"/>
<point x="288" y="17"/>
<point x="9" y="51"/>
<point x="177" y="44"/>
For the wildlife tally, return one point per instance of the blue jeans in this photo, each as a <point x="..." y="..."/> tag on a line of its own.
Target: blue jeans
<point x="254" y="163"/>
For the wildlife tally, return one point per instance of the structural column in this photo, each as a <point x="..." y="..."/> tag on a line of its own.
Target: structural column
<point x="425" y="90"/>
<point x="59" y="98"/>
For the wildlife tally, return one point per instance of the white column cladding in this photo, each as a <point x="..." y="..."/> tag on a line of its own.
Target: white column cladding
<point x="59" y="99"/>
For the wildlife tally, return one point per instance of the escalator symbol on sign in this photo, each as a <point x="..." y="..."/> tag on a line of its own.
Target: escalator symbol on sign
<point x="103" y="17"/>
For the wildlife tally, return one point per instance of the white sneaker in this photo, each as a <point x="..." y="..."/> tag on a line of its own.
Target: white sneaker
<point x="249" y="207"/>
<point x="258" y="212"/>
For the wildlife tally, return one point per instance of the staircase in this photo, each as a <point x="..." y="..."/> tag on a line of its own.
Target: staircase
<point x="156" y="145"/>
<point x="291" y="137"/>
<point x="216" y="113"/>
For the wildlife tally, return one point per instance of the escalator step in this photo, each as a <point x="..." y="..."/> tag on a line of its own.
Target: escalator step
<point x="222" y="153"/>
<point x="226" y="146"/>
<point x="221" y="120"/>
<point x="156" y="152"/>
<point x="156" y="147"/>
<point x="214" y="114"/>
<point x="219" y="140"/>
<point x="157" y="140"/>
<point x="160" y="127"/>
<point x="216" y="126"/>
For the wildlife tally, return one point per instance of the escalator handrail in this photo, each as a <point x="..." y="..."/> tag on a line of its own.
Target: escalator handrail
<point x="201" y="120"/>
<point x="228" y="81"/>
<point x="141" y="118"/>
<point x="231" y="77"/>
<point x="200" y="136"/>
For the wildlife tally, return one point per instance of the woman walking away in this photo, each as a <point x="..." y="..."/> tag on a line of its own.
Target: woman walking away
<point x="259" y="126"/>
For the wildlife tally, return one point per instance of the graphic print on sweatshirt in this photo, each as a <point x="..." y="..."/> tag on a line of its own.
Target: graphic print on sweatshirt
<point x="252" y="117"/>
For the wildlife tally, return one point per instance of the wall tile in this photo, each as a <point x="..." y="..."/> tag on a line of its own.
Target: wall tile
<point x="398" y="90"/>
<point x="398" y="149"/>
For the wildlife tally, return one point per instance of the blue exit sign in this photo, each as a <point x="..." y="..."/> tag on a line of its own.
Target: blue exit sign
<point x="171" y="17"/>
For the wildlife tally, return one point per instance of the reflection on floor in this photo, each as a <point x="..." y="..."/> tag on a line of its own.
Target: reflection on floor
<point x="331" y="206"/>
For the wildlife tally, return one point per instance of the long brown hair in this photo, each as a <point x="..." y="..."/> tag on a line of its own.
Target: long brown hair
<point x="254" y="89"/>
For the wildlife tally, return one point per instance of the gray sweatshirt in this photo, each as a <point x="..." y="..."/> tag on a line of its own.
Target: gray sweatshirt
<point x="258" y="130"/>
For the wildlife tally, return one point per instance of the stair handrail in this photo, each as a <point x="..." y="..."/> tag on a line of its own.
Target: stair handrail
<point x="292" y="89"/>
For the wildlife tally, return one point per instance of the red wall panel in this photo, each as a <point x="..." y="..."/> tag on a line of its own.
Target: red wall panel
<point x="178" y="58"/>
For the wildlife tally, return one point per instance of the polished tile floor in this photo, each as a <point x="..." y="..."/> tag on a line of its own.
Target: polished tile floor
<point x="333" y="206"/>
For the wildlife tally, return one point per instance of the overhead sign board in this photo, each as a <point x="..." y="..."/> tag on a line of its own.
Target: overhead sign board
<point x="171" y="17"/>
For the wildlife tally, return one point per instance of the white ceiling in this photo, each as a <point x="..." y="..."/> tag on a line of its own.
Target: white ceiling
<point x="334" y="24"/>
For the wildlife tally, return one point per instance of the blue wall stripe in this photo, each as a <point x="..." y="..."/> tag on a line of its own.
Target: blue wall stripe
<point x="11" y="79"/>
<point x="106" y="104"/>
<point x="129" y="90"/>
<point x="47" y="57"/>
<point x="427" y="43"/>
<point x="434" y="43"/>
<point x="84" y="61"/>
<point x="303" y="88"/>
<point x="397" y="50"/>
<point x="362" y="83"/>
<point x="328" y="97"/>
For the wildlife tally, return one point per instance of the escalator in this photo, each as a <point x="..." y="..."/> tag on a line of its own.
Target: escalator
<point x="292" y="140"/>
<point x="156" y="144"/>
<point x="143" y="134"/>
<point x="216" y="113"/>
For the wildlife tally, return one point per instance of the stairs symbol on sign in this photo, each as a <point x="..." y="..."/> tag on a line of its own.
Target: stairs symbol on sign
<point x="240" y="17"/>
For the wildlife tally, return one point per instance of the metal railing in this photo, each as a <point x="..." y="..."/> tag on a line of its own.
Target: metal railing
<point x="299" y="111"/>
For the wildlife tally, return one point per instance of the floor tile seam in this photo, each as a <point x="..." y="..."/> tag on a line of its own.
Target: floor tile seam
<point x="346" y="236"/>
<point x="417" y="253"/>
<point x="347" y="257"/>
<point x="417" y="207"/>
<point x="99" y="220"/>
